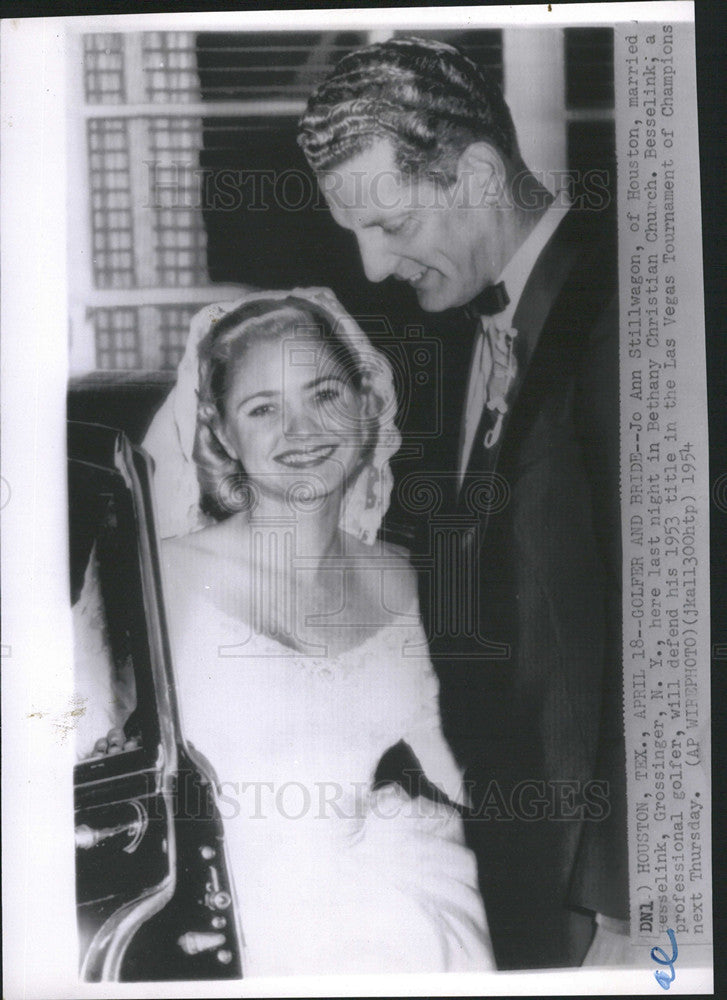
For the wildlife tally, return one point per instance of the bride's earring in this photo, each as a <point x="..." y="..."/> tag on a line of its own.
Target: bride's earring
<point x="372" y="487"/>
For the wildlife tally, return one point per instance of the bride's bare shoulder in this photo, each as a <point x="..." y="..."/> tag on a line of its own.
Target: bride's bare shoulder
<point x="396" y="553"/>
<point x="207" y="566"/>
<point x="213" y="540"/>
<point x="400" y="578"/>
<point x="380" y="549"/>
<point x="203" y="560"/>
<point x="395" y="577"/>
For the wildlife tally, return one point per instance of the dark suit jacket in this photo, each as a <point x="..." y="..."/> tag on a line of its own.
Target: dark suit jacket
<point x="532" y="702"/>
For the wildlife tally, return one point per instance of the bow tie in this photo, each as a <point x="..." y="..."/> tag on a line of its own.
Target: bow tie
<point x="491" y="301"/>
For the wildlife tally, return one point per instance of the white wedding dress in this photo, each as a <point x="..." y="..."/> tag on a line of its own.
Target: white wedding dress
<point x="329" y="877"/>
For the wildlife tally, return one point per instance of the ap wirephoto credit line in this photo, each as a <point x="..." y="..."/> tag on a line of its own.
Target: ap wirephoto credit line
<point x="666" y="489"/>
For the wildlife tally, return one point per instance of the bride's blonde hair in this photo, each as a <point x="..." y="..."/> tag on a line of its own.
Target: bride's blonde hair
<point x="223" y="483"/>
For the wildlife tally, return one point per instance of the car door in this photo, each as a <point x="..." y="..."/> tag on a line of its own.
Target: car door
<point x="155" y="900"/>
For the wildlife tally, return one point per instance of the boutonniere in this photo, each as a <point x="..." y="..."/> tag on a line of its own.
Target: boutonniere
<point x="504" y="370"/>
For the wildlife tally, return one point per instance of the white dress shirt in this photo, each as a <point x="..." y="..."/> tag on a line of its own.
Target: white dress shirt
<point x="515" y="275"/>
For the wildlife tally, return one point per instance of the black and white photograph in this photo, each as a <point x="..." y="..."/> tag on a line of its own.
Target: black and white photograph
<point x="365" y="394"/>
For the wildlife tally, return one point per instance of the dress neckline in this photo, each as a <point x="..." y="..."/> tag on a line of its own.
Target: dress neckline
<point x="294" y="652"/>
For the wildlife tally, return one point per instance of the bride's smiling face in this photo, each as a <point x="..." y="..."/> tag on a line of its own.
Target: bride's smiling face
<point x="293" y="417"/>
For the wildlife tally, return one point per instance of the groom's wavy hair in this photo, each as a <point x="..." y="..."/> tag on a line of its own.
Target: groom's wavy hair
<point x="427" y="97"/>
<point x="223" y="484"/>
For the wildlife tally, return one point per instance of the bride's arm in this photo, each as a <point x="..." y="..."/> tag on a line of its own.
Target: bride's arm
<point x="423" y="731"/>
<point x="106" y="693"/>
<point x="426" y="739"/>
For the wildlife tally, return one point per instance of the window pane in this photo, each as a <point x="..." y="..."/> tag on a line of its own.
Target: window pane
<point x="589" y="67"/>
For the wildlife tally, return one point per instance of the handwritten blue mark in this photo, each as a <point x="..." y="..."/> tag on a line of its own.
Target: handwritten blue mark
<point x="666" y="978"/>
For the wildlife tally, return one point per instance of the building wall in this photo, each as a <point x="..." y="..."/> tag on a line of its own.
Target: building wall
<point x="157" y="118"/>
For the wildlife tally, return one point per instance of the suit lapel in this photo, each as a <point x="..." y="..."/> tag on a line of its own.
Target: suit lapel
<point x="536" y="302"/>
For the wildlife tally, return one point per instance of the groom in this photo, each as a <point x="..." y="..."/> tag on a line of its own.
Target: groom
<point x="416" y="153"/>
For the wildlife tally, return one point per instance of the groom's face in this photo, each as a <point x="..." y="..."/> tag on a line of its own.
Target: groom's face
<point x="415" y="230"/>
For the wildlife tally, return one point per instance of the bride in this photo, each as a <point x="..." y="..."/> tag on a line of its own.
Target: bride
<point x="298" y="650"/>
